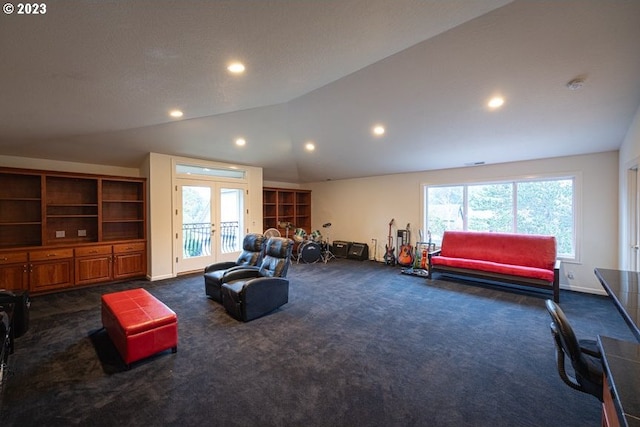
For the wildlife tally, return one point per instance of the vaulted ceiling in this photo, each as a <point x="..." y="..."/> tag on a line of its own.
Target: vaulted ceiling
<point x="94" y="81"/>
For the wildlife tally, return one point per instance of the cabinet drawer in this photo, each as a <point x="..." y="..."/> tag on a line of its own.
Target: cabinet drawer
<point x="93" y="250"/>
<point x="129" y="247"/>
<point x="50" y="254"/>
<point x="13" y="257"/>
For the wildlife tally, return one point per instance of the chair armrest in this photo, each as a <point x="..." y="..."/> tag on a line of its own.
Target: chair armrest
<point x="241" y="274"/>
<point x="557" y="265"/>
<point x="266" y="281"/>
<point x="220" y="266"/>
<point x="429" y="255"/>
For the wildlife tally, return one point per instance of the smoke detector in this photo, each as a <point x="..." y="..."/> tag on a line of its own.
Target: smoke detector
<point x="575" y="84"/>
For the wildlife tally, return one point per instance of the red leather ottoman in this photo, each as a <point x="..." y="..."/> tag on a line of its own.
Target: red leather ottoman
<point x="139" y="324"/>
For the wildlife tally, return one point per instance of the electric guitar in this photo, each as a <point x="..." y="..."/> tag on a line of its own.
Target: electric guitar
<point x="424" y="262"/>
<point x="418" y="251"/>
<point x="405" y="257"/>
<point x="389" y="256"/>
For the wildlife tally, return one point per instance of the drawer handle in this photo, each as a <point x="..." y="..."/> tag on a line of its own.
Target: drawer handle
<point x="129" y="248"/>
<point x="93" y="252"/>
<point x="50" y="255"/>
<point x="4" y="259"/>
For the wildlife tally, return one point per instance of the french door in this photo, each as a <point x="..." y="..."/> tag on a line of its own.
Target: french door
<point x="209" y="223"/>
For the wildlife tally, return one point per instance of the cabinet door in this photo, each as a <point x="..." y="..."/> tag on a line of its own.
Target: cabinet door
<point x="93" y="269"/>
<point x="48" y="275"/>
<point x="93" y="264"/>
<point x="129" y="260"/>
<point x="50" y="269"/>
<point x="14" y="276"/>
<point x="129" y="265"/>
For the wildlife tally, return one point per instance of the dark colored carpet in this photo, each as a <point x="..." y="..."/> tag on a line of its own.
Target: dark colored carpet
<point x="358" y="345"/>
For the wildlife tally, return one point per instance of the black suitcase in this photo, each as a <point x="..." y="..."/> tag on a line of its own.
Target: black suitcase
<point x="21" y="301"/>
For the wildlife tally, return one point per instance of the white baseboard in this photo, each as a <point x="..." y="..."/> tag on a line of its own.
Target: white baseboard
<point x="583" y="289"/>
<point x="163" y="277"/>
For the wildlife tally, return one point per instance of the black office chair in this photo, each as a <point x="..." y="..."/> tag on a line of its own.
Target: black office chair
<point x="585" y="358"/>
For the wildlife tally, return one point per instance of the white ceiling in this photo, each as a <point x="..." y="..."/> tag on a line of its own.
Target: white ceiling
<point x="93" y="81"/>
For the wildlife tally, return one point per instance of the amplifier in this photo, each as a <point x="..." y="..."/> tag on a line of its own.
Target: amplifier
<point x="359" y="251"/>
<point x="340" y="248"/>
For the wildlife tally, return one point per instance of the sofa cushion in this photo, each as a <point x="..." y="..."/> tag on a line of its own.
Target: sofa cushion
<point x="494" y="267"/>
<point x="524" y="250"/>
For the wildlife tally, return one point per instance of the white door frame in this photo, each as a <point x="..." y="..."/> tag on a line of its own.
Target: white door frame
<point x="184" y="265"/>
<point x="632" y="239"/>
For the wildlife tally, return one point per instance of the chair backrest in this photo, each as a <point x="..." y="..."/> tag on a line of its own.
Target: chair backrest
<point x="252" y="247"/>
<point x="567" y="341"/>
<point x="277" y="257"/>
<point x="566" y="338"/>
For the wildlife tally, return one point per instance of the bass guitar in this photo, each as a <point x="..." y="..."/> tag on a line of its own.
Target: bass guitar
<point x="389" y="256"/>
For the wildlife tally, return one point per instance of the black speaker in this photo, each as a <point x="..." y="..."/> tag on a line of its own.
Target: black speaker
<point x="359" y="251"/>
<point x="340" y="248"/>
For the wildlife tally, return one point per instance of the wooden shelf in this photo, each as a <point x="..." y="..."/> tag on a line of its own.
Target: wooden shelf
<point x="44" y="211"/>
<point x="282" y="205"/>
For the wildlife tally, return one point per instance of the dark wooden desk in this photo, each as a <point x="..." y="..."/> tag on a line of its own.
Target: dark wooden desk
<point x="621" y="362"/>
<point x="624" y="289"/>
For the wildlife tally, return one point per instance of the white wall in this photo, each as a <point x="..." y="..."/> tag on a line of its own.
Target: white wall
<point x="360" y="209"/>
<point x="629" y="157"/>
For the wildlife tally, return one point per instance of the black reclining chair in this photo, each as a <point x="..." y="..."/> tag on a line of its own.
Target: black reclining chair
<point x="250" y="293"/>
<point x="583" y="354"/>
<point x="250" y="256"/>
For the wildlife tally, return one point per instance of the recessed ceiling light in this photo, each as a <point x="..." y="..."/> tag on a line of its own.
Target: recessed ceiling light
<point x="176" y="114"/>
<point x="240" y="142"/>
<point x="378" y="130"/>
<point x="236" y="68"/>
<point x="310" y="146"/>
<point x="496" y="102"/>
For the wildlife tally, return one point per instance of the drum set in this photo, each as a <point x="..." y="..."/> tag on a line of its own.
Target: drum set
<point x="311" y="247"/>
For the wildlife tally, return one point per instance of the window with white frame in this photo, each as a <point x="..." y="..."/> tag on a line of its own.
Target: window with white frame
<point x="529" y="206"/>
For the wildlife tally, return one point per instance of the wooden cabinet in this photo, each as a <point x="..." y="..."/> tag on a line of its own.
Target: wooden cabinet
<point x="59" y="230"/>
<point x="50" y="269"/>
<point x="282" y="206"/>
<point x="14" y="269"/>
<point x="93" y="264"/>
<point x="609" y="413"/>
<point x="129" y="260"/>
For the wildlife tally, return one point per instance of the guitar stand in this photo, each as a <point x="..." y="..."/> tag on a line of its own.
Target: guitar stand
<point x="413" y="271"/>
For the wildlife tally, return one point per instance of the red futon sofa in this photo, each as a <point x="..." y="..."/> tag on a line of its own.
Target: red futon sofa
<point x="517" y="259"/>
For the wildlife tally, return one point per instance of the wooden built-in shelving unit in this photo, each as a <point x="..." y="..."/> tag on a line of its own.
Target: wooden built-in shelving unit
<point x="282" y="205"/>
<point x="59" y="230"/>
